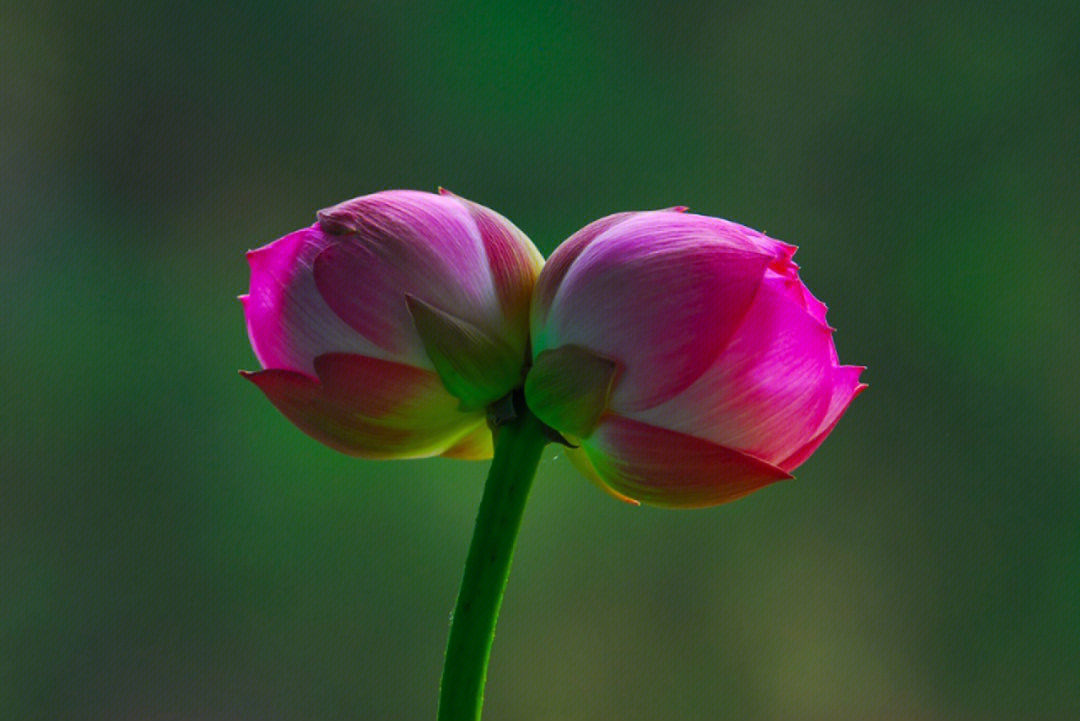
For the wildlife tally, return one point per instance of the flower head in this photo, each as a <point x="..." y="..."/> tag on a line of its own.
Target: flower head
<point x="388" y="326"/>
<point x="684" y="356"/>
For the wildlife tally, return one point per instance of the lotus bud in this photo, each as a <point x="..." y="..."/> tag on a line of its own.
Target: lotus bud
<point x="682" y="358"/>
<point x="388" y="327"/>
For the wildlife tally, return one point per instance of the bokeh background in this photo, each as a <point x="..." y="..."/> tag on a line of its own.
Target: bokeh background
<point x="172" y="548"/>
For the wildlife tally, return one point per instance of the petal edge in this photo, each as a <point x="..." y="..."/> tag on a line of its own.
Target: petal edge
<point x="667" y="468"/>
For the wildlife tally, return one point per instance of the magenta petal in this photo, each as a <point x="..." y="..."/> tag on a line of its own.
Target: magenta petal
<point x="788" y="279"/>
<point x="666" y="468"/>
<point x="661" y="294"/>
<point x="288" y="321"/>
<point x="846" y="387"/>
<point x="813" y="306"/>
<point x="770" y="390"/>
<point x="398" y="243"/>
<point x="369" y="407"/>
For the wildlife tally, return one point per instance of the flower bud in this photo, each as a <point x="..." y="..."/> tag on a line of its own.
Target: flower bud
<point x="387" y="327"/>
<point x="684" y="357"/>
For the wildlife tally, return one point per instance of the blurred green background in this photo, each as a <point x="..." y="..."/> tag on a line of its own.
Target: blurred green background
<point x="172" y="548"/>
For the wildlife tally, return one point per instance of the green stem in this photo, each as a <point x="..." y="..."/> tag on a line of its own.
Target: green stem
<point x="518" y="444"/>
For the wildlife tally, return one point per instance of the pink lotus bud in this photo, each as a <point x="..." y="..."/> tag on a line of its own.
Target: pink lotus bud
<point x="387" y="327"/>
<point x="685" y="356"/>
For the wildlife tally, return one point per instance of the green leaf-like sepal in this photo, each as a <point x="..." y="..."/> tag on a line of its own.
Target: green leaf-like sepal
<point x="568" y="389"/>
<point x="474" y="367"/>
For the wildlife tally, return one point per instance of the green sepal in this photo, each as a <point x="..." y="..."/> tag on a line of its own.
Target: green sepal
<point x="568" y="389"/>
<point x="474" y="367"/>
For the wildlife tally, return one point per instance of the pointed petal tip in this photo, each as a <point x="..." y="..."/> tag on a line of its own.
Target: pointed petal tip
<point x="854" y="371"/>
<point x="259" y="258"/>
<point x="444" y="191"/>
<point x="676" y="209"/>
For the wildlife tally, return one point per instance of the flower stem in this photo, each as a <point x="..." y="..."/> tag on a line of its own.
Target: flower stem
<point x="518" y="444"/>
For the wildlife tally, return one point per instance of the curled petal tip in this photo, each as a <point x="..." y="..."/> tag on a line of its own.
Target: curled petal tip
<point x="676" y="209"/>
<point x="333" y="221"/>
<point x="444" y="191"/>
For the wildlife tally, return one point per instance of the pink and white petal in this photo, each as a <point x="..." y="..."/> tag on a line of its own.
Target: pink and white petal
<point x="514" y="262"/>
<point x="846" y="387"/>
<point x="769" y="390"/>
<point x="404" y="242"/>
<point x="666" y="468"/>
<point x="555" y="269"/>
<point x="660" y="294"/>
<point x="369" y="407"/>
<point x="288" y="321"/>
<point x="476" y="446"/>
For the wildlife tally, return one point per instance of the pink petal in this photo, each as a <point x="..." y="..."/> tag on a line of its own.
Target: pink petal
<point x="514" y="263"/>
<point x="288" y="321"/>
<point x="665" y="468"/>
<point x="396" y="243"/>
<point x="771" y="388"/>
<point x="661" y="293"/>
<point x="558" y="264"/>
<point x="845" y="387"/>
<point x="369" y="407"/>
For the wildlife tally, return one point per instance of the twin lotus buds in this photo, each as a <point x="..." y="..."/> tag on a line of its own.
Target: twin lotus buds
<point x="679" y="355"/>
